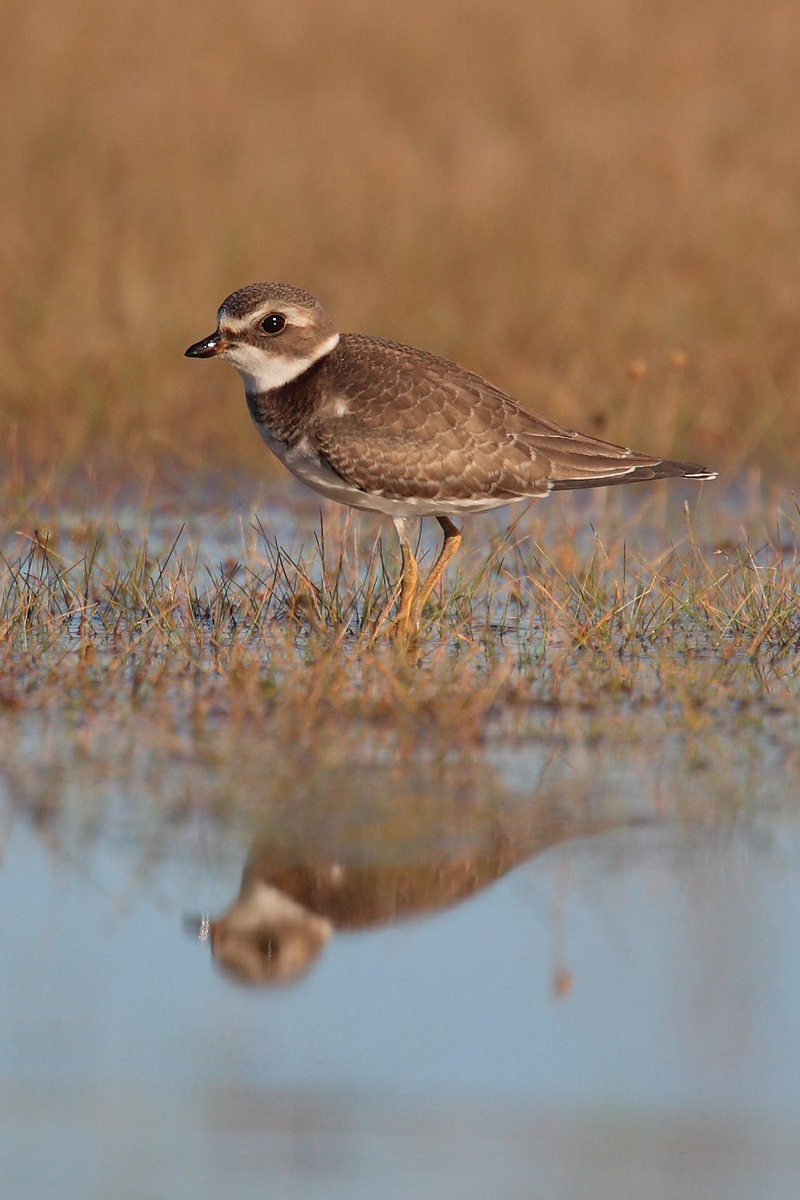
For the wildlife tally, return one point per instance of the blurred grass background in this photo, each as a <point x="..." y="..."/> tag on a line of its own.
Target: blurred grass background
<point x="596" y="203"/>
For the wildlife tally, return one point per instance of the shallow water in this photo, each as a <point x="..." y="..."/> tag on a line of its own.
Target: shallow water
<point x="559" y="963"/>
<point x="522" y="997"/>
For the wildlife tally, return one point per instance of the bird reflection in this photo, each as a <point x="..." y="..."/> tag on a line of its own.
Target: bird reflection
<point x="293" y="897"/>
<point x="265" y="937"/>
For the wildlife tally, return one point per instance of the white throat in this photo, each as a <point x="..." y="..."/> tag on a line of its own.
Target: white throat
<point x="261" y="372"/>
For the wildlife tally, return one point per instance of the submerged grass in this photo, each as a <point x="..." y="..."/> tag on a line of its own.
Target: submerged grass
<point x="305" y="633"/>
<point x="254" y="682"/>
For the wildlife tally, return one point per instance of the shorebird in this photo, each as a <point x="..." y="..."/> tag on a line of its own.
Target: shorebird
<point x="394" y="430"/>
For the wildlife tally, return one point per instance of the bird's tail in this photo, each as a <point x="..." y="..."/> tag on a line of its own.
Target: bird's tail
<point x="663" y="469"/>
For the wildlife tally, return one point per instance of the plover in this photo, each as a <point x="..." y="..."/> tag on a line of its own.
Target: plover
<point x="394" y="430"/>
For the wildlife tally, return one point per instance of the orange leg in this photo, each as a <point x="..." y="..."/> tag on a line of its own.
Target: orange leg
<point x="450" y="547"/>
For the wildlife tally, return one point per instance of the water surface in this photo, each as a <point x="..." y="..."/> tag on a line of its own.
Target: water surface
<point x="554" y="958"/>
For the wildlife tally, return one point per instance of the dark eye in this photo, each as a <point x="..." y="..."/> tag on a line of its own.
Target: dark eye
<point x="274" y="323"/>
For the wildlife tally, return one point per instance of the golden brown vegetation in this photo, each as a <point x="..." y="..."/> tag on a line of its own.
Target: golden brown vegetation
<point x="551" y="192"/>
<point x="256" y="690"/>
<point x="301" y="638"/>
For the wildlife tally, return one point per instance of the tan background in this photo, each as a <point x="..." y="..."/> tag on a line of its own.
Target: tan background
<point x="559" y="193"/>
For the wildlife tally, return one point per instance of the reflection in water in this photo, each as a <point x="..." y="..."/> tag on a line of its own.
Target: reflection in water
<point x="266" y="936"/>
<point x="293" y="897"/>
<point x="423" y="1064"/>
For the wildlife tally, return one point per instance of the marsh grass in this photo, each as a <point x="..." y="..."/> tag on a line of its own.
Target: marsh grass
<point x="152" y="679"/>
<point x="276" y="628"/>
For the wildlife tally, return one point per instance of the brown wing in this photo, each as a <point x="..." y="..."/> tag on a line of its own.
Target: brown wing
<point x="432" y="429"/>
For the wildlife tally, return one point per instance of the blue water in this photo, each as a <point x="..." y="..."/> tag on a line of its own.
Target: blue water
<point x="430" y="1057"/>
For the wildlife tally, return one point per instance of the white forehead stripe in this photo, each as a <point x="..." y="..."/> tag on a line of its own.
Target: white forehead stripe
<point x="262" y="371"/>
<point x="301" y="318"/>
